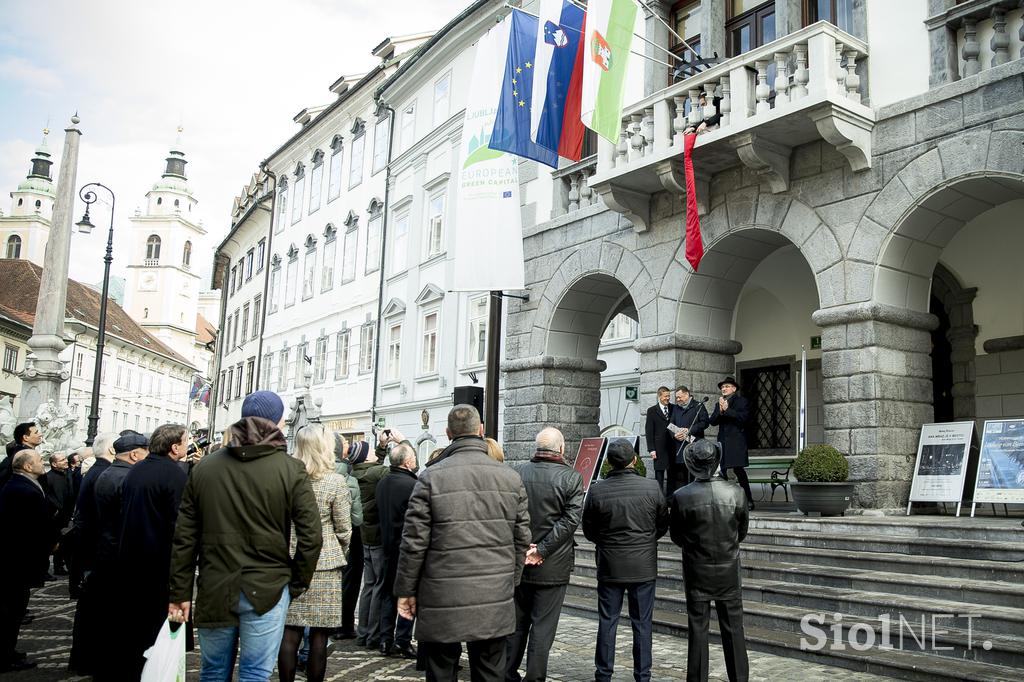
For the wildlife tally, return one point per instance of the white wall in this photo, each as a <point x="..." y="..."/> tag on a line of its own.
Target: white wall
<point x="898" y="52"/>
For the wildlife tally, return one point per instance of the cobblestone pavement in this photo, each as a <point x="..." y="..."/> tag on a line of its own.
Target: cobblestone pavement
<point x="48" y="640"/>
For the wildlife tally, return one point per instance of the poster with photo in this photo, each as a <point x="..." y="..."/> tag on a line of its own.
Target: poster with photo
<point x="588" y="459"/>
<point x="941" y="466"/>
<point x="1001" y="464"/>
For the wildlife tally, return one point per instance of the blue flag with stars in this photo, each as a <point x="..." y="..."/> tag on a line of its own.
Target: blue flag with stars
<point x="511" y="131"/>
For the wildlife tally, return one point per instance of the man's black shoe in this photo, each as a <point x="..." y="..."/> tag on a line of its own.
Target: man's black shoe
<point x="361" y="641"/>
<point x="750" y="506"/>
<point x="17" y="666"/>
<point x="49" y="577"/>
<point x="406" y="651"/>
<point x="343" y="634"/>
<point x="385" y="649"/>
<point x="60" y="571"/>
<point x="372" y="644"/>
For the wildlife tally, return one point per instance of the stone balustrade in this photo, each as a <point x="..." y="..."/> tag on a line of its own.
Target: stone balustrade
<point x="998" y="22"/>
<point x="572" y="187"/>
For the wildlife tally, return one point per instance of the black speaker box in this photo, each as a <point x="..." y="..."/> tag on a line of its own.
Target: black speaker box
<point x="469" y="395"/>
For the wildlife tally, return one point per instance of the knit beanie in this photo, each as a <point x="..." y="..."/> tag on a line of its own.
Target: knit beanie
<point x="358" y="452"/>
<point x="264" y="404"/>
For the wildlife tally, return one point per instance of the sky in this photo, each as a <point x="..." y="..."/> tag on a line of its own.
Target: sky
<point x="232" y="74"/>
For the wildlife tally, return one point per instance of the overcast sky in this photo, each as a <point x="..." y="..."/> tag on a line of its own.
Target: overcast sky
<point x="232" y="73"/>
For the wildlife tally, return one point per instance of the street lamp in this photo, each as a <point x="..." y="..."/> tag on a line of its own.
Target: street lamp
<point x="85" y="226"/>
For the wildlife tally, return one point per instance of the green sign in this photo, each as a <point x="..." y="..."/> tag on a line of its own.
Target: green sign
<point x="632" y="393"/>
<point x="815" y="342"/>
<point x="380" y="422"/>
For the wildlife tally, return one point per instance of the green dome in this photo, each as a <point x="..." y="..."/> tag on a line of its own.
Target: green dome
<point x="38" y="186"/>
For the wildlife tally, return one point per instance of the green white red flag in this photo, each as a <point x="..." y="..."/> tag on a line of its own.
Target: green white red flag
<point x="608" y="36"/>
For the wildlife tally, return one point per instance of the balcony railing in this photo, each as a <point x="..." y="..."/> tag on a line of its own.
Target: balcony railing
<point x="151" y="262"/>
<point x="572" y="187"/>
<point x="816" y="92"/>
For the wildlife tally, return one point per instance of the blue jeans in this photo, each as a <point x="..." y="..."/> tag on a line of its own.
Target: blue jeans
<point x="257" y="637"/>
<point x="641" y="613"/>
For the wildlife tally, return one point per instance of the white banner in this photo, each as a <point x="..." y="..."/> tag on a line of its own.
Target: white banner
<point x="488" y="222"/>
<point x="941" y="462"/>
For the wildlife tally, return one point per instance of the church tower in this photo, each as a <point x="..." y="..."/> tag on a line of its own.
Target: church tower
<point x="162" y="293"/>
<point x="23" y="233"/>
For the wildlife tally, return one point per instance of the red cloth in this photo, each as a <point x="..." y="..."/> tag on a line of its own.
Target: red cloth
<point x="694" y="244"/>
<point x="570" y="145"/>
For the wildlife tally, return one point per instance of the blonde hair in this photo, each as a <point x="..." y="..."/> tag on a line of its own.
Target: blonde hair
<point x="314" y="447"/>
<point x="435" y="454"/>
<point x="494" y="450"/>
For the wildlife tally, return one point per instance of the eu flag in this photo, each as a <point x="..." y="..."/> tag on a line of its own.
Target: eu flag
<point x="512" y="123"/>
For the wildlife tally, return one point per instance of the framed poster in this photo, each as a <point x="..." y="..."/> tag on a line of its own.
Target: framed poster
<point x="1001" y="464"/>
<point x="942" y="452"/>
<point x="588" y="459"/>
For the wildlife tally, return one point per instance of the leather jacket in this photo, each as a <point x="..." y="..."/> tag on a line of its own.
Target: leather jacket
<point x="555" y="493"/>
<point x="709" y="521"/>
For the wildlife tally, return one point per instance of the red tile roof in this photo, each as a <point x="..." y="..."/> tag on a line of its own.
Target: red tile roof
<point x="206" y="331"/>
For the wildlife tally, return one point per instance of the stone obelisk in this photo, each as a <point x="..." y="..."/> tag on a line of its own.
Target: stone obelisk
<point x="42" y="376"/>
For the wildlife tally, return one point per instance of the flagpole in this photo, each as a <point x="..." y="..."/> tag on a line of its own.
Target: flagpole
<point x="665" y="23"/>
<point x="802" y="441"/>
<point x="493" y="369"/>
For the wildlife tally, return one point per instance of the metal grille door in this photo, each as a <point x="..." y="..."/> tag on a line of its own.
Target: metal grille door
<point x="770" y="394"/>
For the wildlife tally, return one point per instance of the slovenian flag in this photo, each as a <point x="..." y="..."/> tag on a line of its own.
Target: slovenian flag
<point x="511" y="131"/>
<point x="608" y="35"/>
<point x="558" y="79"/>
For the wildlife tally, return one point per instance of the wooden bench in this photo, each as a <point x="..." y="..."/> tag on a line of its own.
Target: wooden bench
<point x="771" y="470"/>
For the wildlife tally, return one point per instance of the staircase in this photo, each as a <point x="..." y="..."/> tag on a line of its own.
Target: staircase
<point x="966" y="574"/>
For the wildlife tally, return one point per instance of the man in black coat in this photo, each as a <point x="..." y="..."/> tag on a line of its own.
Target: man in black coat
<point x="660" y="443"/>
<point x="555" y="494"/>
<point x="26" y="435"/>
<point x="393" y="493"/>
<point x="709" y="521"/>
<point x="730" y="416"/>
<point x="60" y="494"/>
<point x="26" y="530"/>
<point x="692" y="418"/>
<point x="624" y="516"/>
<point x="152" y="495"/>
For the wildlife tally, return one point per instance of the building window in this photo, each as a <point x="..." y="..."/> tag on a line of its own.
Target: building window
<point x="11" y="358"/>
<point x="79" y="361"/>
<point x="232" y="279"/>
<point x="477" y="344"/>
<point x="268" y="361"/>
<point x="250" y="375"/>
<point x="408" y="135"/>
<point x="320" y="361"/>
<point x="291" y="280"/>
<point x="240" y="272"/>
<point x="238" y="381"/>
<point x="234" y="332"/>
<point x="250" y="258"/>
<point x="367" y="336"/>
<point x="399" y="247"/>
<point x="186" y="255"/>
<point x="308" y="272"/>
<point x="282" y="371"/>
<point x="245" y="323"/>
<point x="282" y="205"/>
<point x="348" y="253"/>
<point x="442" y="98"/>
<point x="227" y="336"/>
<point x="261" y="253"/>
<point x="275" y="285"/>
<point x="330" y="255"/>
<point x="316" y="179"/>
<point x="153" y="249"/>
<point x="14" y="246"/>
<point x="428" y="343"/>
<point x="394" y="351"/>
<point x="685" y="18"/>
<point x="231" y="384"/>
<point x="301" y="362"/>
<point x="621" y="328"/>
<point x="257" y="305"/>
<point x="837" y="12"/>
<point x="751" y="24"/>
<point x="334" y="177"/>
<point x="300" y="185"/>
<point x="435" y="225"/>
<point x="113" y="423"/>
<point x="224" y="387"/>
<point x="341" y="355"/>
<point x="355" y="169"/>
<point x="374" y="243"/>
<point x="380" y="144"/>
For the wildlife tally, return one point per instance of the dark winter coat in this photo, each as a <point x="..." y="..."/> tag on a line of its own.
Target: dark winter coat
<point x="624" y="516"/>
<point x="238" y="507"/>
<point x="84" y="533"/>
<point x="369" y="474"/>
<point x="659" y="438"/>
<point x="60" y="494"/>
<point x="555" y="493"/>
<point x="26" y="531"/>
<point x="731" y="425"/>
<point x="151" y="496"/>
<point x="392" y="496"/>
<point x="108" y="495"/>
<point x="709" y="521"/>
<point x="466" y="535"/>
<point x="683" y="416"/>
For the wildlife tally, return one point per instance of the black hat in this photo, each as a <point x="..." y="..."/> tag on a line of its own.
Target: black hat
<point x="129" y="442"/>
<point x="728" y="380"/>
<point x="620" y="454"/>
<point x="702" y="458"/>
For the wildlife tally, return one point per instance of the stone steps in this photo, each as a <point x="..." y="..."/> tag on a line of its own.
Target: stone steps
<point x="950" y="527"/>
<point x="954" y="548"/>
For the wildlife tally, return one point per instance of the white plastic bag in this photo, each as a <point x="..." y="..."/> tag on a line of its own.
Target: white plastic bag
<point x="165" y="660"/>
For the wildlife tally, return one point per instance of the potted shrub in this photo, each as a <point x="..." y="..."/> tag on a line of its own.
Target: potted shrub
<point x="821" y="472"/>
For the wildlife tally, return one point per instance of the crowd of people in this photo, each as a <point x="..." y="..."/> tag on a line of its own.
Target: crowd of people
<point x="269" y="555"/>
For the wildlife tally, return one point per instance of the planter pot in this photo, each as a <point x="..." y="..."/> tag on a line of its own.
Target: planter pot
<point x="828" y="499"/>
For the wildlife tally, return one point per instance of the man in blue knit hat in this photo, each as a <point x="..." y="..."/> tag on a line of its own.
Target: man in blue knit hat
<point x="238" y="506"/>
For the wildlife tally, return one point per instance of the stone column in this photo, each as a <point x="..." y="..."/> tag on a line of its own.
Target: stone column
<point x="962" y="334"/>
<point x="656" y="75"/>
<point x="877" y="390"/>
<point x="41" y="381"/>
<point x="712" y="28"/>
<point x="694" y="361"/>
<point x="941" y="45"/>
<point x="550" y="390"/>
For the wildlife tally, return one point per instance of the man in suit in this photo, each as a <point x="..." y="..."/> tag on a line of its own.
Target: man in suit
<point x="393" y="493"/>
<point x="730" y="416"/>
<point x="26" y="435"/>
<point x="60" y="494"/>
<point x="692" y="418"/>
<point x="660" y="442"/>
<point x="26" y="529"/>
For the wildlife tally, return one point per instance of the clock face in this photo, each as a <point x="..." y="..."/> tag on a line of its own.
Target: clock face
<point x="148" y="282"/>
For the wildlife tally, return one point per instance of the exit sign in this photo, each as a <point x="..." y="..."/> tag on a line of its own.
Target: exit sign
<point x="815" y="343"/>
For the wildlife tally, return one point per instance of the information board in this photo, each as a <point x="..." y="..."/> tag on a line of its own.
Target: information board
<point x="1001" y="464"/>
<point x="588" y="459"/>
<point x="942" y="453"/>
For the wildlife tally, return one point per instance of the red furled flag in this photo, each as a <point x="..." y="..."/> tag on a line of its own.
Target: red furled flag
<point x="694" y="244"/>
<point x="571" y="144"/>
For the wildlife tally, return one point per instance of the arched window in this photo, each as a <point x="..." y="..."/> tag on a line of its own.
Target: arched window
<point x="145" y="313"/>
<point x="176" y="203"/>
<point x="14" y="246"/>
<point x="39" y="203"/>
<point x="159" y="200"/>
<point x="20" y="201"/>
<point x="153" y="248"/>
<point x="186" y="256"/>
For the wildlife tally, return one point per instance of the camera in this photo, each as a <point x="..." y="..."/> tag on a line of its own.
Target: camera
<point x="197" y="445"/>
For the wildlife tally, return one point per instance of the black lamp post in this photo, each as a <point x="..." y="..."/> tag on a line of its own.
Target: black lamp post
<point x="85" y="226"/>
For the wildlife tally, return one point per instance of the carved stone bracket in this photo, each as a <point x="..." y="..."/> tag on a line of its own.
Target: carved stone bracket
<point x="636" y="206"/>
<point x="849" y="133"/>
<point x="673" y="179"/>
<point x="770" y="160"/>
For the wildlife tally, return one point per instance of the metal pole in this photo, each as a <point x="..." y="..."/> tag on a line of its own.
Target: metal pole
<point x="89" y="197"/>
<point x="493" y="366"/>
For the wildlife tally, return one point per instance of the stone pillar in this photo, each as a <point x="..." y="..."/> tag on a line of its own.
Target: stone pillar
<point x="656" y="75"/>
<point x="962" y="334"/>
<point x="941" y="45"/>
<point x="41" y="381"/>
<point x="694" y="361"/>
<point x="877" y="391"/>
<point x="550" y="390"/>
<point x="712" y="28"/>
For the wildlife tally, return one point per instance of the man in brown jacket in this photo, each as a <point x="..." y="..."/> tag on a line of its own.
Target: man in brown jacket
<point x="465" y="539"/>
